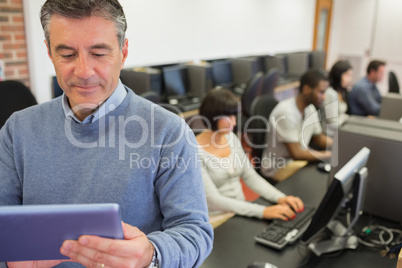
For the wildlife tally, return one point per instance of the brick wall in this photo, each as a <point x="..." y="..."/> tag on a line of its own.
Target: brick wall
<point x="12" y="41"/>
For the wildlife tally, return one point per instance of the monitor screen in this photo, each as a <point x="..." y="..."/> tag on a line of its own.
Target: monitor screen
<point x="347" y="187"/>
<point x="57" y="91"/>
<point x="175" y="80"/>
<point x="222" y="73"/>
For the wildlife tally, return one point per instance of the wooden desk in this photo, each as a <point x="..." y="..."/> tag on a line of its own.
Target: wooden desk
<point x="234" y="244"/>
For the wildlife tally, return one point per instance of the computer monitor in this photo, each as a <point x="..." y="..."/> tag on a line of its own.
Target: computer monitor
<point x="347" y="189"/>
<point x="391" y="107"/>
<point x="222" y="73"/>
<point x="176" y="82"/>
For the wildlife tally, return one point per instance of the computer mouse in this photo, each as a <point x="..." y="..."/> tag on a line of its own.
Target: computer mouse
<point x="261" y="265"/>
<point x="173" y="101"/>
<point x="325" y="167"/>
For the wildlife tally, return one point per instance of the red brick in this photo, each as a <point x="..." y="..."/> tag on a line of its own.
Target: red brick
<point x="5" y="37"/>
<point x="9" y="73"/>
<point x="18" y="18"/>
<point x="23" y="71"/>
<point x="19" y="37"/>
<point x="21" y="54"/>
<point x="4" y="19"/>
<point x="8" y="28"/>
<point x="6" y="55"/>
<point x="11" y="8"/>
<point x="14" y="46"/>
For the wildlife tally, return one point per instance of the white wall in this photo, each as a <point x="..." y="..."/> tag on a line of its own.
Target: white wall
<point x="352" y="29"/>
<point x="161" y="31"/>
<point x="369" y="29"/>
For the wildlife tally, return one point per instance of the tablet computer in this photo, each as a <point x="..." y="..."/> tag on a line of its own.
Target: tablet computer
<point x="36" y="232"/>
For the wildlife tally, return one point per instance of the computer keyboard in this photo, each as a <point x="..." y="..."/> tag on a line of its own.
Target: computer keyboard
<point x="279" y="233"/>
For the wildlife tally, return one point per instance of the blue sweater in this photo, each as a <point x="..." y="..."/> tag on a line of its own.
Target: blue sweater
<point x="139" y="156"/>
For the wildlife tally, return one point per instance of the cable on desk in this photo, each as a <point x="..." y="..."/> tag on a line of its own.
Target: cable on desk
<point x="378" y="236"/>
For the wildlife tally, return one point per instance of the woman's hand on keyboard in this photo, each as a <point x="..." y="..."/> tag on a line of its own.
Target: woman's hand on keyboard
<point x="293" y="201"/>
<point x="280" y="211"/>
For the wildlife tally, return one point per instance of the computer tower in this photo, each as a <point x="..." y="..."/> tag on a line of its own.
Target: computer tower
<point x="278" y="61"/>
<point x="244" y="69"/>
<point x="141" y="80"/>
<point x="200" y="79"/>
<point x="297" y="63"/>
<point x="317" y="60"/>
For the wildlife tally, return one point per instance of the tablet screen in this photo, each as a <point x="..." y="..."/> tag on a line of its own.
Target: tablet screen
<point x="36" y="232"/>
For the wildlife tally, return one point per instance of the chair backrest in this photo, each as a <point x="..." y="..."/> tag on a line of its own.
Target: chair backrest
<point x="253" y="90"/>
<point x="14" y="96"/>
<point x="271" y="79"/>
<point x="259" y="123"/>
<point x="393" y="84"/>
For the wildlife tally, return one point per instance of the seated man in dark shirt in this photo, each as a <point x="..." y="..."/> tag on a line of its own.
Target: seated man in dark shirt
<point x="364" y="98"/>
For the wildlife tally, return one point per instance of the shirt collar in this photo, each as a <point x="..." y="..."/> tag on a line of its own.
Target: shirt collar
<point x="107" y="106"/>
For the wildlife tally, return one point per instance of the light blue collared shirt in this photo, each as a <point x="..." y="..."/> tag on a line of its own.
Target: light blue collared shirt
<point x="109" y="105"/>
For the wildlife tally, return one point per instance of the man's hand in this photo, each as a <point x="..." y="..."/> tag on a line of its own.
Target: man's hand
<point x="93" y="251"/>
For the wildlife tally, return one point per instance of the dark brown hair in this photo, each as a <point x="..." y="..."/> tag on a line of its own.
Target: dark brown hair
<point x="217" y="103"/>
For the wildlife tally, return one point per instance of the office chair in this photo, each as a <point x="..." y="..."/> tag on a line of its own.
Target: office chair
<point x="270" y="81"/>
<point x="393" y="85"/>
<point x="253" y="90"/>
<point x="14" y="96"/>
<point x="260" y="112"/>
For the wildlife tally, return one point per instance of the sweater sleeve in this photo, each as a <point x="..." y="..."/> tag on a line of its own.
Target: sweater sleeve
<point x="186" y="236"/>
<point x="10" y="183"/>
<point x="252" y="179"/>
<point x="331" y="106"/>
<point x="219" y="202"/>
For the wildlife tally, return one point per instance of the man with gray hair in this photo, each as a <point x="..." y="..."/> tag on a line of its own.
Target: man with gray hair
<point x="78" y="148"/>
